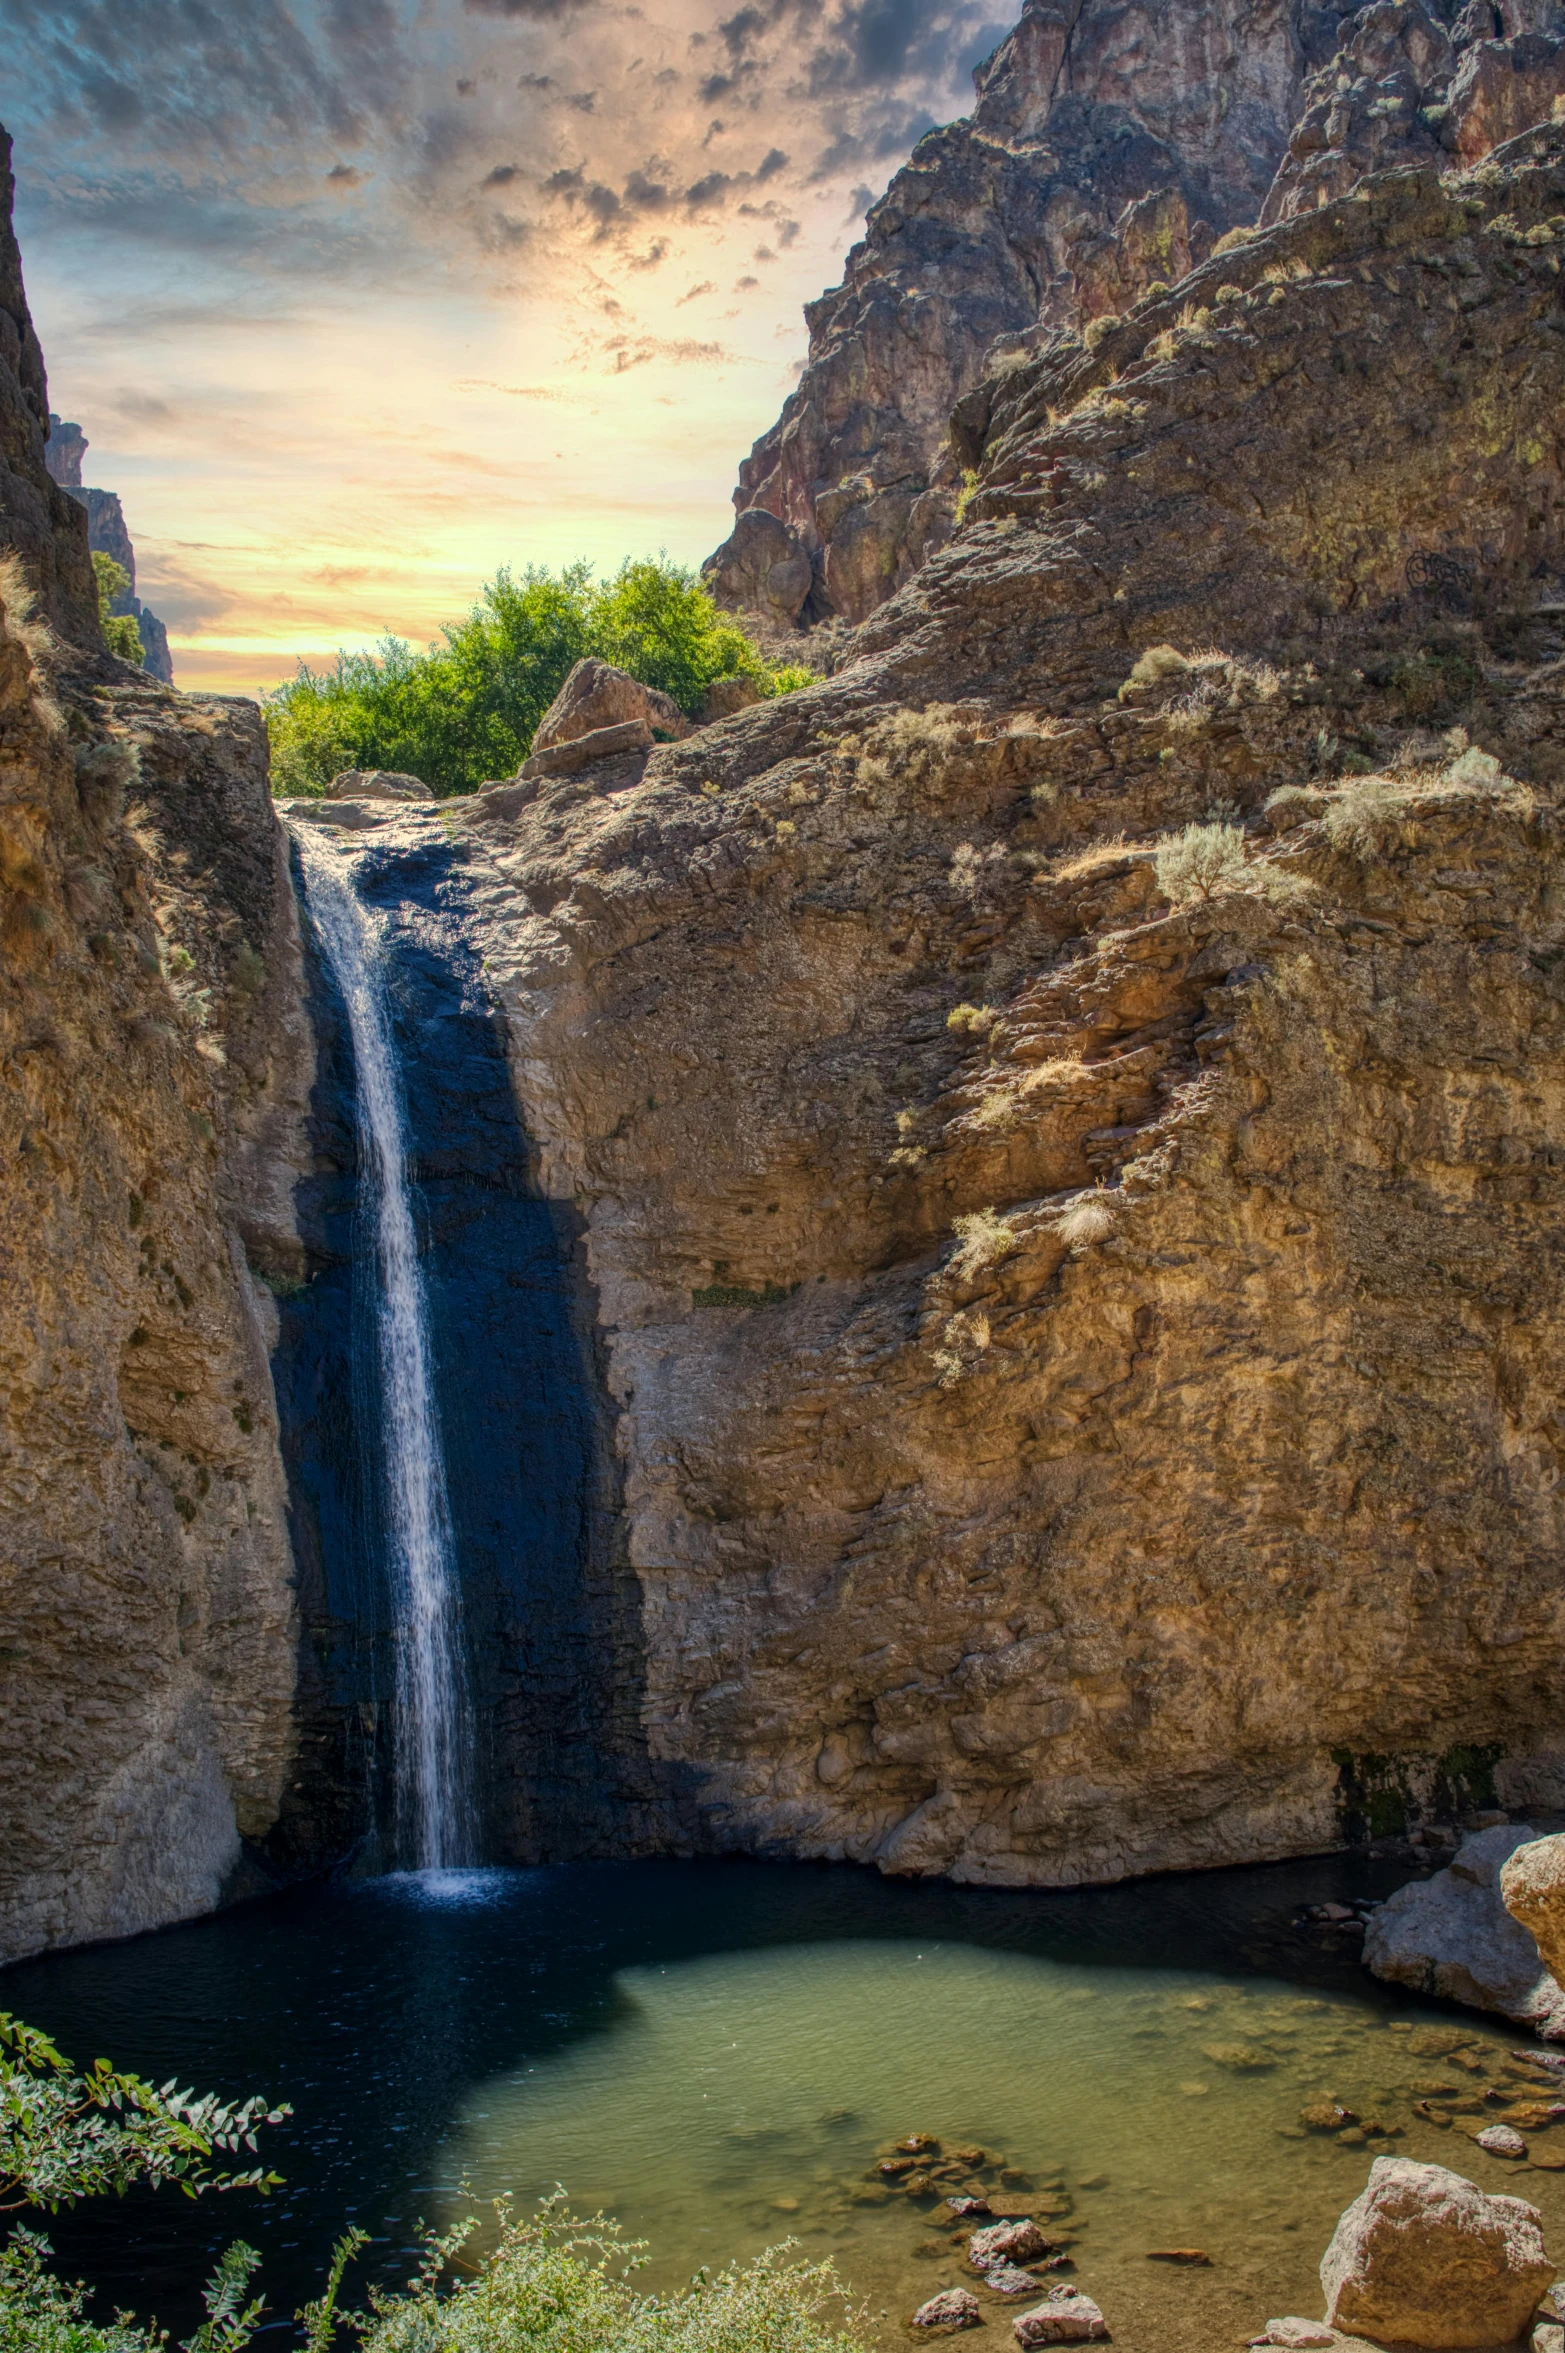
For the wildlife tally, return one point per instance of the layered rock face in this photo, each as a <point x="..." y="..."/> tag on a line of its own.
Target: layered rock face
<point x="107" y="534"/>
<point x="1111" y="144"/>
<point x="151" y="1042"/>
<point x="1086" y="1324"/>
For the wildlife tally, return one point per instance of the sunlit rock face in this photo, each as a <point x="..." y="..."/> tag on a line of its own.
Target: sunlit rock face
<point x="1115" y="1529"/>
<point x="998" y="225"/>
<point x="150" y="1039"/>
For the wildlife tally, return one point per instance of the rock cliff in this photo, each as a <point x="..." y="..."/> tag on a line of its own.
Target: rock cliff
<point x="1111" y="145"/>
<point x="1084" y="1301"/>
<point x="107" y="534"/>
<point x="149" y="1033"/>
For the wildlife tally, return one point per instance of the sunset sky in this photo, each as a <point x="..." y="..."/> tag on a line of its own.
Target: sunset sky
<point x="358" y="300"/>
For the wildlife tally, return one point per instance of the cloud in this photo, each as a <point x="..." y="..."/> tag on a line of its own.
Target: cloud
<point x="344" y="176"/>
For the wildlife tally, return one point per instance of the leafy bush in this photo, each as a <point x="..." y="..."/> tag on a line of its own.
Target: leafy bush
<point x="467" y="709"/>
<point x="556" y="2285"/>
<point x="119" y="629"/>
<point x="1203" y="859"/>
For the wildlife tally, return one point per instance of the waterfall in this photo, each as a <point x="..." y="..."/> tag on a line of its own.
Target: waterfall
<point x="433" y="1728"/>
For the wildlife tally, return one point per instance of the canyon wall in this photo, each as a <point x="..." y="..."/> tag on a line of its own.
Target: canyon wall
<point x="1111" y="145"/>
<point x="107" y="534"/>
<point x="1086" y="1327"/>
<point x="154" y="1060"/>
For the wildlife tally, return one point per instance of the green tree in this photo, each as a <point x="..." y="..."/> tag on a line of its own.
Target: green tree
<point x="120" y="630"/>
<point x="468" y="707"/>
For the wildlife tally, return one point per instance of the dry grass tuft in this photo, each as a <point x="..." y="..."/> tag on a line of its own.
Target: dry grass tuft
<point x="1086" y="1222"/>
<point x="983" y="1237"/>
<point x="1004" y="1104"/>
<point x="977" y="1020"/>
<point x="1089" y="860"/>
<point x="1361" y="810"/>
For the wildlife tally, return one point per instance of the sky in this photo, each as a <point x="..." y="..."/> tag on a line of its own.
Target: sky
<point x="359" y="300"/>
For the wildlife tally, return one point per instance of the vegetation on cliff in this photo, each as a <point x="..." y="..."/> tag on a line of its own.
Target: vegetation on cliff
<point x="466" y="710"/>
<point x="120" y="630"/>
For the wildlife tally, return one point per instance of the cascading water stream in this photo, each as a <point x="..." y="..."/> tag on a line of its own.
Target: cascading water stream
<point x="434" y="1805"/>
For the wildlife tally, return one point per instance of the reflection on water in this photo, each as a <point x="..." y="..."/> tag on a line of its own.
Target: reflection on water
<point x="722" y="2054"/>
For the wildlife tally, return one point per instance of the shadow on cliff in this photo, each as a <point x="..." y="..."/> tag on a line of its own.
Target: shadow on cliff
<point x="550" y="1608"/>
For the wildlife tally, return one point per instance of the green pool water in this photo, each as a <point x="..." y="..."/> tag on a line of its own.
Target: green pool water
<point x="720" y="2054"/>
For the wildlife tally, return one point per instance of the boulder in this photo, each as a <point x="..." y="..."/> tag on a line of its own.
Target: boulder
<point x="1066" y="2318"/>
<point x="1532" y="1889"/>
<point x="1301" y="2336"/>
<point x="725" y="696"/>
<point x="1452" y="1935"/>
<point x="581" y="751"/>
<point x="1500" y="2140"/>
<point x="595" y="697"/>
<point x="1008" y="2279"/>
<point x="760" y="568"/>
<point x="1006" y="2242"/>
<point x="376" y="784"/>
<point x="1426" y="2257"/>
<point x="1501" y="89"/>
<point x="952" y="2308"/>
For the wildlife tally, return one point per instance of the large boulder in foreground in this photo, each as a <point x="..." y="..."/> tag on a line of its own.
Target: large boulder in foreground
<point x="1532" y="1889"/>
<point x="1452" y="1935"/>
<point x="1426" y="2258"/>
<point x="595" y="696"/>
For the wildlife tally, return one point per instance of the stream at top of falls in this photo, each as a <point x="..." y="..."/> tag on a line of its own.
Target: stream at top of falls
<point x="720" y="2053"/>
<point x="432" y="1731"/>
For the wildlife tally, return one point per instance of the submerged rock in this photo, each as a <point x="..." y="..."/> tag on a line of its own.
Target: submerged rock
<point x="1066" y="2318"/>
<point x="952" y="2308"/>
<point x="1452" y="1935"/>
<point x="1007" y="2279"/>
<point x="1301" y="2336"/>
<point x="1424" y="2255"/>
<point x="1006" y="2242"/>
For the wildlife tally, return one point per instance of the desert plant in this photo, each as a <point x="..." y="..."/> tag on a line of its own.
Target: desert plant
<point x="1098" y="330"/>
<point x="1359" y="812"/>
<point x="977" y="1020"/>
<point x="982" y="1237"/>
<point x="1155" y="667"/>
<point x="967" y="493"/>
<point x="1199" y="862"/>
<point x="1085" y="1222"/>
<point x="1232" y="239"/>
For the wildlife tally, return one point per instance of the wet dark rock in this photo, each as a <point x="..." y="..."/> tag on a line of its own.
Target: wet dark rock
<point x="1191" y="2257"/>
<point x="1007" y="2279"/>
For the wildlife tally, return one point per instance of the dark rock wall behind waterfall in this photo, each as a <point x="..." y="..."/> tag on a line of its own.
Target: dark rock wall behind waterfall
<point x="529" y="1473"/>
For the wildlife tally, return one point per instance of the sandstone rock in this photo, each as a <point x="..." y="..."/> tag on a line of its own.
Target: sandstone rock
<point x="1066" y="2318"/>
<point x="1072" y="187"/>
<point x="376" y="784"/>
<point x="761" y="568"/>
<point x="1500" y="2140"/>
<point x="1303" y="2335"/>
<point x="1452" y="1935"/>
<point x="1426" y="2256"/>
<point x="1008" y="2279"/>
<point x="584" y="751"/>
<point x="1532" y="1888"/>
<point x="595" y="698"/>
<point x="1006" y="2242"/>
<point x="953" y="2308"/>
<point x="726" y="696"/>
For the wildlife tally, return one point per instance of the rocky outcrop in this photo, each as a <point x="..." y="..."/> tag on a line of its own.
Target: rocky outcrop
<point x="1109" y="147"/>
<point x="1532" y="1887"/>
<point x="1425" y="2258"/>
<point x="1453" y="1936"/>
<point x="1084" y="1320"/>
<point x="107" y="534"/>
<point x="151" y="1045"/>
<point x="1164" y="124"/>
<point x="376" y="784"/>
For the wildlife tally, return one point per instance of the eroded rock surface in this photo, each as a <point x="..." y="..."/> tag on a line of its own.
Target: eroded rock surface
<point x="1168" y="122"/>
<point x="1532" y="1888"/>
<point x="1074" y="1539"/>
<point x="1425" y="2258"/>
<point x="1452" y="1935"/>
<point x="154" y="1059"/>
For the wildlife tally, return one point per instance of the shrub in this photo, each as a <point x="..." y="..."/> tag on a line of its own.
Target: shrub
<point x="1155" y="667"/>
<point x="1359" y="812"/>
<point x="467" y="709"/>
<point x="1232" y="239"/>
<point x="967" y="493"/>
<point x="977" y="1020"/>
<point x="1086" y="1222"/>
<point x="120" y="632"/>
<point x="555" y="2285"/>
<point x="1098" y="330"/>
<point x="982" y="1237"/>
<point x="1202" y="860"/>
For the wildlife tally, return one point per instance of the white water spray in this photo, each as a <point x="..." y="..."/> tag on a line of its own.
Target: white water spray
<point x="435" y="1827"/>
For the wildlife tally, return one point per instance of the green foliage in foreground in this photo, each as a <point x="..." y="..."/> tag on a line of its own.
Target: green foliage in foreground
<point x="466" y="709"/>
<point x="120" y="631"/>
<point x="549" y="2284"/>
